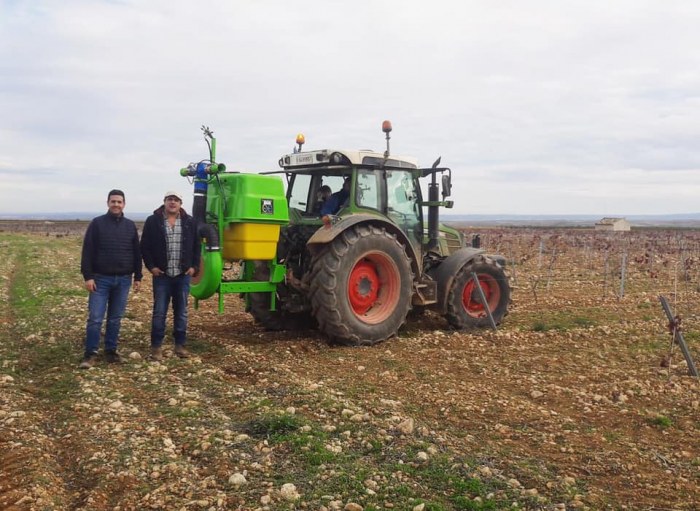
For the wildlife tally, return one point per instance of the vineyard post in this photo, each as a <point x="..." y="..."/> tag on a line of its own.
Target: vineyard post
<point x="482" y="298"/>
<point x="605" y="272"/>
<point x="674" y="326"/>
<point x="622" y="275"/>
<point x="550" y="267"/>
<point x="512" y="264"/>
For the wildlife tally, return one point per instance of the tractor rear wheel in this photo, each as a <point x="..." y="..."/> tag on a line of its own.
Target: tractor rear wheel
<point x="464" y="305"/>
<point x="361" y="286"/>
<point x="279" y="319"/>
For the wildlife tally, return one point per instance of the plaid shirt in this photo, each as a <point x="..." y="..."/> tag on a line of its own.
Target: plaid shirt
<point x="173" y="240"/>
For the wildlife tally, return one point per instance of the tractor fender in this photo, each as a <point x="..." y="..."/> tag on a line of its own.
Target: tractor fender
<point x="328" y="233"/>
<point x="208" y="278"/>
<point x="445" y="273"/>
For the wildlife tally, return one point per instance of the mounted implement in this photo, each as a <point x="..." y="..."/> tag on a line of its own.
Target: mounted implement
<point x="353" y="263"/>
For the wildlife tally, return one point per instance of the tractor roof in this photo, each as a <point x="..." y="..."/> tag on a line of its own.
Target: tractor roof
<point x="340" y="157"/>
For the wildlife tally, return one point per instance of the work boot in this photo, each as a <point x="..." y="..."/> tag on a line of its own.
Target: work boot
<point x="181" y="352"/>
<point x="88" y="361"/>
<point x="156" y="353"/>
<point x="112" y="357"/>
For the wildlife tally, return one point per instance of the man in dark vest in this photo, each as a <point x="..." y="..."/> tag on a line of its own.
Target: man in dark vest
<point x="110" y="257"/>
<point x="171" y="252"/>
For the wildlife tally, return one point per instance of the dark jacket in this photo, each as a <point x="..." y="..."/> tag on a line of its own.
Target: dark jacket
<point x="154" y="248"/>
<point x="334" y="202"/>
<point x="111" y="247"/>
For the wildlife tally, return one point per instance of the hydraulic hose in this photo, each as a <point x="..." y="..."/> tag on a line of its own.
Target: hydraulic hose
<point x="209" y="277"/>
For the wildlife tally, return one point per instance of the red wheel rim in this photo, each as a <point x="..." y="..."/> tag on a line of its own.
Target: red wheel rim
<point x="471" y="298"/>
<point x="373" y="287"/>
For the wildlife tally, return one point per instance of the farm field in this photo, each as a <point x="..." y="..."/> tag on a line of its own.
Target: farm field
<point x="578" y="401"/>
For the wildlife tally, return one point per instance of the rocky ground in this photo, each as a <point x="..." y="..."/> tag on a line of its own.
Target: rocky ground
<point x="575" y="402"/>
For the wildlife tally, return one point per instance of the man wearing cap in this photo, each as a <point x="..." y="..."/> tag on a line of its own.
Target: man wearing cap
<point x="110" y="257"/>
<point x="171" y="251"/>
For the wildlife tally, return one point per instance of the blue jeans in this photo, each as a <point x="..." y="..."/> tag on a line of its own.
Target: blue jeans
<point x="164" y="289"/>
<point x="110" y="297"/>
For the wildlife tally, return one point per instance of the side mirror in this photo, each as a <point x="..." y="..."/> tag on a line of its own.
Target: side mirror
<point x="446" y="185"/>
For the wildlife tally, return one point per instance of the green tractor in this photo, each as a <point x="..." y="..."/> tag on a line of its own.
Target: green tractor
<point x="353" y="264"/>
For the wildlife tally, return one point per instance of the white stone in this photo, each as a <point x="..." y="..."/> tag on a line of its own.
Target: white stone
<point x="406" y="427"/>
<point x="237" y="480"/>
<point x="289" y="492"/>
<point x="485" y="471"/>
<point x="513" y="483"/>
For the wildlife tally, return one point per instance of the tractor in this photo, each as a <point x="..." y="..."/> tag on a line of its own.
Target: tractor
<point x="353" y="264"/>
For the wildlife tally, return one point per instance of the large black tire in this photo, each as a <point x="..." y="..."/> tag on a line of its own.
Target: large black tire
<point x="464" y="307"/>
<point x="361" y="287"/>
<point x="279" y="319"/>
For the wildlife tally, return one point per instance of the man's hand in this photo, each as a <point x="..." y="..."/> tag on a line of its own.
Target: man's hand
<point x="137" y="286"/>
<point x="190" y="271"/>
<point x="90" y="285"/>
<point x="157" y="272"/>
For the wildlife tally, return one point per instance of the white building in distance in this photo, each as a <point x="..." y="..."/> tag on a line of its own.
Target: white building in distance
<point x="612" y="224"/>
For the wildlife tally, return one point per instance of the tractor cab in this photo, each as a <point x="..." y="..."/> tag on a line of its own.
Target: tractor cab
<point x="310" y="172"/>
<point x="382" y="186"/>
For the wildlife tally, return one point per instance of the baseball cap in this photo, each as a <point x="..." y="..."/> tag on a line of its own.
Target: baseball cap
<point x="171" y="193"/>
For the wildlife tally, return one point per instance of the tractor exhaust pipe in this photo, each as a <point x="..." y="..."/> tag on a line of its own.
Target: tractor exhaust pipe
<point x="434" y="210"/>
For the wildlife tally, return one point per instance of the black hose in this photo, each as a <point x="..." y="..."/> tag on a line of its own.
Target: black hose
<point x="204" y="230"/>
<point x="211" y="234"/>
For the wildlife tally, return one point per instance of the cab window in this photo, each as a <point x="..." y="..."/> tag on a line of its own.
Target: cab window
<point x="299" y="196"/>
<point x="368" y="191"/>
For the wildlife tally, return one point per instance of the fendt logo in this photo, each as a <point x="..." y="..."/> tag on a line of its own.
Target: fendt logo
<point x="266" y="207"/>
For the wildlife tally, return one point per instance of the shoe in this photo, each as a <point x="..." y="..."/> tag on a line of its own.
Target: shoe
<point x="112" y="357"/>
<point x="88" y="361"/>
<point x="157" y="354"/>
<point x="181" y="352"/>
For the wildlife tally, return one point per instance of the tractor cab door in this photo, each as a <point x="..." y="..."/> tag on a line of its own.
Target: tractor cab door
<point x="403" y="205"/>
<point x="396" y="194"/>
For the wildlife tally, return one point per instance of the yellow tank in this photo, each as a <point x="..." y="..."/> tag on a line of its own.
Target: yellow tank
<point x="248" y="241"/>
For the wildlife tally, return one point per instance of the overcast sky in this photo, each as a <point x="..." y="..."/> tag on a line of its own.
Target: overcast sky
<point x="539" y="107"/>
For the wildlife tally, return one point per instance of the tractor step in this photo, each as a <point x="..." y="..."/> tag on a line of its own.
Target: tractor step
<point x="425" y="292"/>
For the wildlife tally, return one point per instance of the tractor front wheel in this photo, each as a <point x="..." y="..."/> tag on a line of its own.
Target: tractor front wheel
<point x="465" y="308"/>
<point x="361" y="286"/>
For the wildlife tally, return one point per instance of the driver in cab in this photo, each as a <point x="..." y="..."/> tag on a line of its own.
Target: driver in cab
<point x="336" y="200"/>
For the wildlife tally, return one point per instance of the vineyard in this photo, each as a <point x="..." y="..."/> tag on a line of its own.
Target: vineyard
<point x="578" y="401"/>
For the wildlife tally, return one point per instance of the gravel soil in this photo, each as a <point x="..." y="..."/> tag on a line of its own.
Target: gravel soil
<point x="578" y="401"/>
